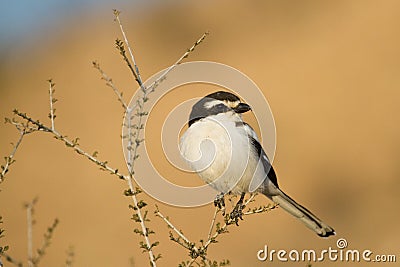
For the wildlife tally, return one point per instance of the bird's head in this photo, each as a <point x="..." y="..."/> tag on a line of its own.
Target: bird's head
<point x="216" y="103"/>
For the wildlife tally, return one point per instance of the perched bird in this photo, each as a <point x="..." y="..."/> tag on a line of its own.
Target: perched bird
<point x="226" y="153"/>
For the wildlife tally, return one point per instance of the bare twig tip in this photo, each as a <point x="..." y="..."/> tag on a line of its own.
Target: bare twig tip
<point x="116" y="12"/>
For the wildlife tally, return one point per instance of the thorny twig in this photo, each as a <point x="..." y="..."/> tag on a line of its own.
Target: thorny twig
<point x="110" y="83"/>
<point x="212" y="223"/>
<point x="131" y="160"/>
<point x="29" y="219"/>
<point x="70" y="257"/>
<point x="11" y="260"/>
<point x="134" y="130"/>
<point x="74" y="144"/>
<point x="23" y="129"/>
<point x="46" y="243"/>
<point x="200" y="251"/>
<point x="213" y="220"/>
<point x="180" y="234"/>
<point x="192" y="261"/>
<point x="33" y="261"/>
<point x="229" y="221"/>
<point x="135" y="72"/>
<point x="10" y="159"/>
<point x="52" y="115"/>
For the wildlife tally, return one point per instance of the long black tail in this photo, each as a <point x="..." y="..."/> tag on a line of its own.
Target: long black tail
<point x="303" y="214"/>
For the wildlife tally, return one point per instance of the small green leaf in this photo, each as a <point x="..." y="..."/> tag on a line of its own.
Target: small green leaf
<point x="137" y="231"/>
<point x="128" y="192"/>
<point x="155" y="244"/>
<point x="135" y="217"/>
<point x="141" y="204"/>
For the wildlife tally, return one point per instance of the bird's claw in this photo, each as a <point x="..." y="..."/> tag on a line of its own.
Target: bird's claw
<point x="219" y="202"/>
<point x="237" y="212"/>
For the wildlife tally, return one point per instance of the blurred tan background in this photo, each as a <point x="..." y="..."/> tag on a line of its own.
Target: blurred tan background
<point x="329" y="69"/>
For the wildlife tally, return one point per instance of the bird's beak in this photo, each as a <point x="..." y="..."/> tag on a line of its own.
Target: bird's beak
<point x="242" y="108"/>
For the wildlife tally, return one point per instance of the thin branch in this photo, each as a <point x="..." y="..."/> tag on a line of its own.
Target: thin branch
<point x="11" y="260"/>
<point x="251" y="199"/>
<point x="196" y="252"/>
<point x="134" y="131"/>
<point x="212" y="223"/>
<point x="141" y="101"/>
<point x="10" y="158"/>
<point x="136" y="72"/>
<point x="110" y="83"/>
<point x="46" y="243"/>
<point x="192" y="261"/>
<point x="29" y="218"/>
<point x="142" y="224"/>
<point x="104" y="166"/>
<point x="230" y="221"/>
<point x="131" y="162"/>
<point x="74" y="144"/>
<point x="133" y="156"/>
<point x="52" y="115"/>
<point x="25" y="128"/>
<point x="179" y="233"/>
<point x="121" y="48"/>
<point x="152" y="86"/>
<point x="261" y="209"/>
<point x="70" y="257"/>
<point x="133" y="145"/>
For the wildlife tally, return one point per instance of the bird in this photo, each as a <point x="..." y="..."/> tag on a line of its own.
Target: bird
<point x="226" y="154"/>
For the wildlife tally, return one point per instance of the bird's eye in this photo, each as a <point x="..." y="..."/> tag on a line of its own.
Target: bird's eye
<point x="221" y="108"/>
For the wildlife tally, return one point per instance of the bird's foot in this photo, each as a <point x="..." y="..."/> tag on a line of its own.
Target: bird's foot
<point x="219" y="202"/>
<point x="237" y="212"/>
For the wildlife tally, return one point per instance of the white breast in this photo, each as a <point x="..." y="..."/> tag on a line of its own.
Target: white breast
<point x="220" y="153"/>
